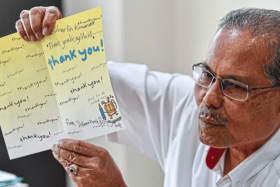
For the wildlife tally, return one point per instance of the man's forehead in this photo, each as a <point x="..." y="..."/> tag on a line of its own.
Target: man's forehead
<point x="231" y="33"/>
<point x="237" y="55"/>
<point x="232" y="37"/>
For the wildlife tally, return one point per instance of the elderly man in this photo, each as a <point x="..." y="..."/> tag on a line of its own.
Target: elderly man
<point x="236" y="89"/>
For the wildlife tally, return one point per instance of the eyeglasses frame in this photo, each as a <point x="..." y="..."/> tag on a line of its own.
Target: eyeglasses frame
<point x="221" y="80"/>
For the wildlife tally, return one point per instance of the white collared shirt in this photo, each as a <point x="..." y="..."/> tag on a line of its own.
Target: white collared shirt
<point x="159" y="111"/>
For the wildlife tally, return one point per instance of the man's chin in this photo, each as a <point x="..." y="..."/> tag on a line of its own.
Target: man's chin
<point x="213" y="142"/>
<point x="214" y="136"/>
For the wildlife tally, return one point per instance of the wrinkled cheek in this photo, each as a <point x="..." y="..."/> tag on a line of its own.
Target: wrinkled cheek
<point x="258" y="112"/>
<point x="199" y="94"/>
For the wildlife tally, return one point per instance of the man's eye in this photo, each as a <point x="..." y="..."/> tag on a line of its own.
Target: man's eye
<point x="206" y="74"/>
<point x="235" y="86"/>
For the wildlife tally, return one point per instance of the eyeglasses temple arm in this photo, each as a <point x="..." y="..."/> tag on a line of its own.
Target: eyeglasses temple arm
<point x="263" y="88"/>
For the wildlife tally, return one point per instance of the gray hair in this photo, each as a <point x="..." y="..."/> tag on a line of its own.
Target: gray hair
<point x="259" y="22"/>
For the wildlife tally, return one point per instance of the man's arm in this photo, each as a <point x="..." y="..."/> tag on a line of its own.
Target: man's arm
<point x="156" y="108"/>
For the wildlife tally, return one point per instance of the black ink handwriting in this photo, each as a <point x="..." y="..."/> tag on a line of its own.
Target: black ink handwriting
<point x="99" y="121"/>
<point x="42" y="69"/>
<point x="35" y="55"/>
<point x="66" y="71"/>
<point x="16" y="129"/>
<point x="24" y="116"/>
<point x="68" y="80"/>
<point x="51" y="95"/>
<point x="12" y="49"/>
<point x="4" y="62"/>
<point x="14" y="147"/>
<point x="48" y="121"/>
<point x="16" y="73"/>
<point x="102" y="65"/>
<point x="6" y="93"/>
<point x="57" y="29"/>
<point x="52" y="45"/>
<point x="37" y="105"/>
<point x="77" y="38"/>
<point x="74" y="132"/>
<point x="57" y="133"/>
<point x="85" y="85"/>
<point x="85" y="24"/>
<point x="16" y="103"/>
<point x="70" y="123"/>
<point x="1" y="85"/>
<point x="73" y="99"/>
<point x="32" y="84"/>
<point x="35" y="136"/>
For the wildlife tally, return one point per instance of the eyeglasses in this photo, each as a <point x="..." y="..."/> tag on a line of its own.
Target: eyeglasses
<point x="231" y="88"/>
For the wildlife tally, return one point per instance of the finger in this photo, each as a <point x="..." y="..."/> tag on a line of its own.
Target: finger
<point x="22" y="13"/>
<point x="21" y="31"/>
<point x="72" y="157"/>
<point x="52" y="14"/>
<point x="27" y="27"/>
<point x="82" y="147"/>
<point x="66" y="164"/>
<point x="36" y="16"/>
<point x="82" y="171"/>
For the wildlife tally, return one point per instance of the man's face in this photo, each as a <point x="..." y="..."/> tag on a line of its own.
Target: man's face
<point x="236" y="54"/>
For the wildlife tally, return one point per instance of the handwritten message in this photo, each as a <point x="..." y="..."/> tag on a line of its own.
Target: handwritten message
<point x="56" y="88"/>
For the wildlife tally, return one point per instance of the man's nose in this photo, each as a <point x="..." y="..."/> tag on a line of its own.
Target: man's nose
<point x="214" y="97"/>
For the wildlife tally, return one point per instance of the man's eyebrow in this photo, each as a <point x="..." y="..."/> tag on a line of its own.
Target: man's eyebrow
<point x="206" y="66"/>
<point x="233" y="77"/>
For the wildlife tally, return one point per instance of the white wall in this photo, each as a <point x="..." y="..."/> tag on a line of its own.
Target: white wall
<point x="167" y="35"/>
<point x="194" y="25"/>
<point x="148" y="33"/>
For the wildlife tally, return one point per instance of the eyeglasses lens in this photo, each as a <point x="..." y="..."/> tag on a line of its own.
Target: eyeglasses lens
<point x="231" y="88"/>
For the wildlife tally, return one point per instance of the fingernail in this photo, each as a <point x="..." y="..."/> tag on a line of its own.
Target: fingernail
<point x="39" y="36"/>
<point x="32" y="37"/>
<point x="45" y="31"/>
<point x="26" y="38"/>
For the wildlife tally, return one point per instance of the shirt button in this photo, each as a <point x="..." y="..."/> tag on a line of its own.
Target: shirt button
<point x="238" y="183"/>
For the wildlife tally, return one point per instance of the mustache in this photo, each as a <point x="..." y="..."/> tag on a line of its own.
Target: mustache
<point x="209" y="112"/>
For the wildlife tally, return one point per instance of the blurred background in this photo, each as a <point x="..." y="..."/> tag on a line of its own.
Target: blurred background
<point x="167" y="35"/>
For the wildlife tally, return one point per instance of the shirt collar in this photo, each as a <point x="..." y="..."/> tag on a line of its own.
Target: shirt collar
<point x="251" y="165"/>
<point x="214" y="155"/>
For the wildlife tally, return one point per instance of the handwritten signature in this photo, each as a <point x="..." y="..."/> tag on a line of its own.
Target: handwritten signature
<point x="98" y="122"/>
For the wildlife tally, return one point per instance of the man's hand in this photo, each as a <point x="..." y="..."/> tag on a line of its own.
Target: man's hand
<point x="37" y="22"/>
<point x="95" y="165"/>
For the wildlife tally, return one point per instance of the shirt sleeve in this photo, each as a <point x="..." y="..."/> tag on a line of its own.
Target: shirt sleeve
<point x="152" y="105"/>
